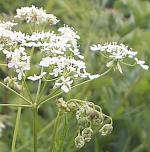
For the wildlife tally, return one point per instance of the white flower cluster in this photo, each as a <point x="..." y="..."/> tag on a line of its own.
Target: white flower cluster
<point x="18" y="60"/>
<point x="118" y="52"/>
<point x="7" y="25"/>
<point x="8" y="37"/>
<point x="55" y="43"/>
<point x="35" y="15"/>
<point x="60" y="55"/>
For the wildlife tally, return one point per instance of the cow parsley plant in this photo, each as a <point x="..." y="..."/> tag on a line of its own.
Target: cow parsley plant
<point x="59" y="67"/>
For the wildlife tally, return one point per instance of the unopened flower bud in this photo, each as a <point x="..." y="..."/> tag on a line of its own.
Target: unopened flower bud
<point x="72" y="106"/>
<point x="87" y="134"/>
<point x="82" y="121"/>
<point x="18" y="87"/>
<point x="62" y="105"/>
<point x="96" y="117"/>
<point x="10" y="81"/>
<point x="106" y="129"/>
<point x="79" y="141"/>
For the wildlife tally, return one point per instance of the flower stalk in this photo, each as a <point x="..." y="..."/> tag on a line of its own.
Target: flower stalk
<point x="35" y="139"/>
<point x="16" y="130"/>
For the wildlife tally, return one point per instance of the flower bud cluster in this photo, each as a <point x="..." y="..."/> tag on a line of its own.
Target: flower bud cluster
<point x="88" y="116"/>
<point x="66" y="106"/>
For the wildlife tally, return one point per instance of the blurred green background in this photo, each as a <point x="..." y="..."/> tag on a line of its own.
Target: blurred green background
<point x="126" y="98"/>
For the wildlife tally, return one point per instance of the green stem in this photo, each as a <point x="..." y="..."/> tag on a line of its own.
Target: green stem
<point x="2" y="64"/>
<point x="92" y="79"/>
<point x="15" y="105"/>
<point x="13" y="91"/>
<point x="39" y="87"/>
<point x="16" y="130"/>
<point x="42" y="90"/>
<point x="28" y="91"/>
<point x="49" y="98"/>
<point x="42" y="131"/>
<point x="35" y="140"/>
<point x="52" y="148"/>
<point x="45" y="100"/>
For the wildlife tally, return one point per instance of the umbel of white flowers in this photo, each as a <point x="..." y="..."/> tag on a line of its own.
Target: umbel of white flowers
<point x="60" y="56"/>
<point x="117" y="54"/>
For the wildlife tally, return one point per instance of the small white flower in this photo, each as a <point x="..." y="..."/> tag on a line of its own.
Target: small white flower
<point x="142" y="64"/>
<point x="95" y="47"/>
<point x="64" y="83"/>
<point x="37" y="77"/>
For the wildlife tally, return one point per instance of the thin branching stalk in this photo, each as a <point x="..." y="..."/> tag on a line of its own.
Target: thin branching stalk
<point x="39" y="87"/>
<point x="16" y="130"/>
<point x="2" y="64"/>
<point x="16" y="105"/>
<point x="52" y="97"/>
<point x="13" y="91"/>
<point x="35" y="112"/>
<point x="28" y="91"/>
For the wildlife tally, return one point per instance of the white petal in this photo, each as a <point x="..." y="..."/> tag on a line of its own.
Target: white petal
<point x="109" y="64"/>
<point x="119" y="68"/>
<point x="145" y="67"/>
<point x="95" y="76"/>
<point x="65" y="88"/>
<point x="33" y="78"/>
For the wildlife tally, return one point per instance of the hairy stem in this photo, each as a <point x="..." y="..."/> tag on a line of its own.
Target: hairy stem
<point x="16" y="130"/>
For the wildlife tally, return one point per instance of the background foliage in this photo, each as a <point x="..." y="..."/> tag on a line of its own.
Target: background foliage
<point x="125" y="97"/>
